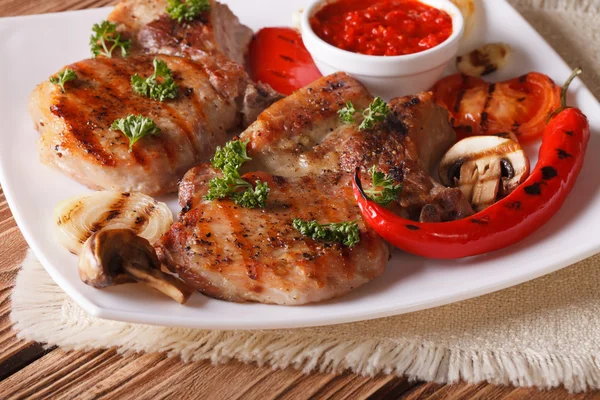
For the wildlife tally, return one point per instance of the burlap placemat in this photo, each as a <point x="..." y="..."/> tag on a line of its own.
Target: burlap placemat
<point x="544" y="333"/>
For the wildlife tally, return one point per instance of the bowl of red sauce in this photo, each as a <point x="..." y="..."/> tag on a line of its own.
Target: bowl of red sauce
<point x="394" y="47"/>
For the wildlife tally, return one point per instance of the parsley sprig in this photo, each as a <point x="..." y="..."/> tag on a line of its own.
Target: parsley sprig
<point x="383" y="190"/>
<point x="377" y="111"/>
<point x="150" y="87"/>
<point x="229" y="159"/>
<point x="233" y="154"/>
<point x="135" y="127"/>
<point x="186" y="10"/>
<point x="63" y="77"/>
<point x="105" y="39"/>
<point x="346" y="233"/>
<point x="347" y="113"/>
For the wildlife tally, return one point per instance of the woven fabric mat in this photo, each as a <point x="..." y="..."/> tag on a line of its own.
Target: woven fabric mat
<point x="545" y="332"/>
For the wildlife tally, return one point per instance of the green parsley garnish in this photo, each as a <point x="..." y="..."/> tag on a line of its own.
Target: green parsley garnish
<point x="106" y="39"/>
<point x="383" y="191"/>
<point x="234" y="154"/>
<point x="346" y="233"/>
<point x="377" y="111"/>
<point x="150" y="87"/>
<point x="63" y="77"/>
<point x="347" y="113"/>
<point x="229" y="159"/>
<point x="188" y="10"/>
<point x="135" y="127"/>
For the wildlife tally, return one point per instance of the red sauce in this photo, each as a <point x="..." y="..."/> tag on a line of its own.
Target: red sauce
<point x="382" y="27"/>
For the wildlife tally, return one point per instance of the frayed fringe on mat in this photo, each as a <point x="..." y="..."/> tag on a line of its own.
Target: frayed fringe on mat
<point x="41" y="313"/>
<point x="559" y="5"/>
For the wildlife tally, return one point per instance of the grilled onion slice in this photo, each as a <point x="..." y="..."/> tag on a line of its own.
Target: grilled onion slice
<point x="77" y="218"/>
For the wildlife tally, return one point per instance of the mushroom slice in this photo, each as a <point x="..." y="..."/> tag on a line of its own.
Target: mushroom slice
<point x="114" y="256"/>
<point x="484" y="60"/>
<point x="77" y="218"/>
<point x="485" y="168"/>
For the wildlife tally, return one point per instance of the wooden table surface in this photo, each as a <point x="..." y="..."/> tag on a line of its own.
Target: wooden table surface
<point x="27" y="369"/>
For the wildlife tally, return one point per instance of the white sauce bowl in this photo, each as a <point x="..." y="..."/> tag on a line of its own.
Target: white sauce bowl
<point x="386" y="76"/>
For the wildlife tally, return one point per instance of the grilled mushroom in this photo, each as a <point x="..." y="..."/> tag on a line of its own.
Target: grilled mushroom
<point x="115" y="256"/>
<point x="484" y="60"/>
<point x="485" y="168"/>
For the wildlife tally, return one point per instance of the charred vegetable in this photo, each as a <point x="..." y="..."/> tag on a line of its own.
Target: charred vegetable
<point x="115" y="256"/>
<point x="485" y="168"/>
<point x="77" y="218"/>
<point x="520" y="106"/>
<point x="278" y="57"/>
<point x="484" y="60"/>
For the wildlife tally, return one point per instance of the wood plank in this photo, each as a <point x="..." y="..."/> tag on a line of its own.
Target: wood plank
<point x="14" y="353"/>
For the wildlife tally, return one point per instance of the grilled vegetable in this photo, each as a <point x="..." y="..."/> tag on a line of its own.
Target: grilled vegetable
<point x="510" y="220"/>
<point x="278" y="57"/>
<point x="484" y="60"/>
<point x="485" y="168"/>
<point x="520" y="106"/>
<point x="115" y="256"/>
<point x="77" y="218"/>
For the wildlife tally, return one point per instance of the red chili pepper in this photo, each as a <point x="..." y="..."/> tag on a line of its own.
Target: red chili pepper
<point x="508" y="221"/>
<point x="520" y="105"/>
<point x="278" y="57"/>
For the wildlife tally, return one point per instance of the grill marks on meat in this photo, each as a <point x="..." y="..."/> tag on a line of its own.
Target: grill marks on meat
<point x="239" y="254"/>
<point x="308" y="157"/>
<point x="215" y="32"/>
<point x="302" y="134"/>
<point x="75" y="125"/>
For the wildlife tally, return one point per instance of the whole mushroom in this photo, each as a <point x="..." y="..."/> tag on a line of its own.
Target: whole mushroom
<point x="485" y="168"/>
<point x="115" y="256"/>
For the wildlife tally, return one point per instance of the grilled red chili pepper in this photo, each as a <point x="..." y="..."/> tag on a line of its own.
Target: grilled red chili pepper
<point x="520" y="105"/>
<point x="511" y="219"/>
<point x="278" y="57"/>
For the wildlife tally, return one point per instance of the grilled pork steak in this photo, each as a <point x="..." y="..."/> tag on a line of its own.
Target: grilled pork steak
<point x="240" y="254"/>
<point x="303" y="134"/>
<point x="214" y="32"/>
<point x="75" y="125"/>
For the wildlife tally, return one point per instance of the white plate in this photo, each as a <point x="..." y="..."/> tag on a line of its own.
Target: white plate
<point x="32" y="48"/>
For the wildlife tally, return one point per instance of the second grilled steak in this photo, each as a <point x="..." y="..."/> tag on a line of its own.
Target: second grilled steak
<point x="303" y="134"/>
<point x="75" y="124"/>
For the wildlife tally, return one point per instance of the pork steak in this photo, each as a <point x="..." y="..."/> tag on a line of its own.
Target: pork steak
<point x="239" y="254"/>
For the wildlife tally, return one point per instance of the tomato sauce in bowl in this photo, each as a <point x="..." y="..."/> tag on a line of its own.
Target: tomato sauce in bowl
<point x="382" y="27"/>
